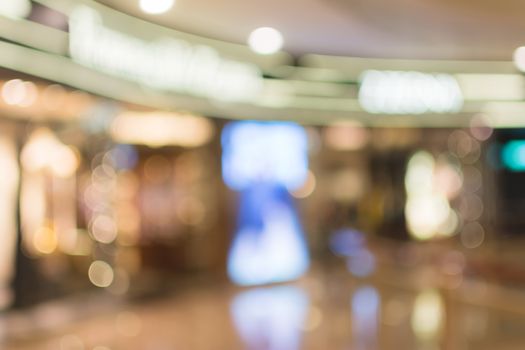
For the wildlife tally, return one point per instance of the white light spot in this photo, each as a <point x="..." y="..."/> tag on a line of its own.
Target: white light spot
<point x="265" y="40"/>
<point x="15" y="9"/>
<point x="519" y="58"/>
<point x="14" y="92"/>
<point x="156" y="7"/>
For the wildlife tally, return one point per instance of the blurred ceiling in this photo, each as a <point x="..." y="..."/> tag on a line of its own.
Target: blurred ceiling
<point x="439" y="29"/>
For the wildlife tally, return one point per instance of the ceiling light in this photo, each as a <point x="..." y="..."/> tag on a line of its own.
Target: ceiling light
<point x="265" y="40"/>
<point x="157" y="129"/>
<point x="15" y="9"/>
<point x="156" y="7"/>
<point x="519" y="58"/>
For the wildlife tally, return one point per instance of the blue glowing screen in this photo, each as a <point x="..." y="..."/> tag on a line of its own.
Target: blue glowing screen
<point x="264" y="151"/>
<point x="270" y="318"/>
<point x="263" y="161"/>
<point x="268" y="246"/>
<point x="513" y="155"/>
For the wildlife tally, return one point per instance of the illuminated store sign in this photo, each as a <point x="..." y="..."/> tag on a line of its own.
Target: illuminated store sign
<point x="167" y="63"/>
<point x="513" y="155"/>
<point x="397" y="92"/>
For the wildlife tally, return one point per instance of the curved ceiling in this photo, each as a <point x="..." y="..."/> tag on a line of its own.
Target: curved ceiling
<point x="439" y="29"/>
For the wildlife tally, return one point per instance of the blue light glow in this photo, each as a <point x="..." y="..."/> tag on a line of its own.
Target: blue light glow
<point x="264" y="151"/>
<point x="270" y="318"/>
<point x="362" y="264"/>
<point x="365" y="315"/>
<point x="347" y="242"/>
<point x="268" y="246"/>
<point x="263" y="161"/>
<point x="124" y="156"/>
<point x="513" y="155"/>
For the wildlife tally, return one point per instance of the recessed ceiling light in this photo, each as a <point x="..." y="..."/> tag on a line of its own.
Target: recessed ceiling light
<point x="15" y="9"/>
<point x="265" y="40"/>
<point x="519" y="58"/>
<point x="156" y="7"/>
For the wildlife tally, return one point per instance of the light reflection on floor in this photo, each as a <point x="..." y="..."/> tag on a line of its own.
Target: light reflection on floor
<point x="322" y="311"/>
<point x="270" y="317"/>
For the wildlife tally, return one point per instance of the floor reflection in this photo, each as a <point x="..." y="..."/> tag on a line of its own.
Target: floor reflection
<point x="390" y="310"/>
<point x="428" y="318"/>
<point x="270" y="318"/>
<point x="365" y="316"/>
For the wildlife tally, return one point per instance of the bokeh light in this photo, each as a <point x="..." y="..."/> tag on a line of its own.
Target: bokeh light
<point x="307" y="188"/>
<point x="264" y="151"/>
<point x="156" y="7"/>
<point x="45" y="240"/>
<point x="519" y="58"/>
<point x="472" y="235"/>
<point x="513" y="155"/>
<point x="272" y="316"/>
<point x="15" y="9"/>
<point x="19" y="93"/>
<point x="265" y="40"/>
<point x="101" y="274"/>
<point x="346" y="136"/>
<point x="428" y="316"/>
<point x="427" y="208"/>
<point x="104" y="229"/>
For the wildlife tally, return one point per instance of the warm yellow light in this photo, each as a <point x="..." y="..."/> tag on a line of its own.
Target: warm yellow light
<point x="426" y="214"/>
<point x="65" y="161"/>
<point x="104" y="229"/>
<point x="8" y="208"/>
<point x="346" y="136"/>
<point x="419" y="177"/>
<point x="44" y="150"/>
<point x="158" y="129"/>
<point x="33" y="206"/>
<point x="428" y="315"/>
<point x="101" y="274"/>
<point x="429" y="188"/>
<point x="45" y="240"/>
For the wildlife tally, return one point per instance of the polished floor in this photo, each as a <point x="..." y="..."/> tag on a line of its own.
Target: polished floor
<point x="394" y="307"/>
